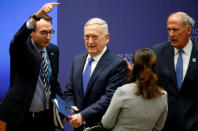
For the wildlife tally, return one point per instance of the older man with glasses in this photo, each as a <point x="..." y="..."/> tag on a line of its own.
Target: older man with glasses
<point x="34" y="73"/>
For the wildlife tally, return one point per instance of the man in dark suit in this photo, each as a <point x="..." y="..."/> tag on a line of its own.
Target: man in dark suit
<point x="180" y="55"/>
<point x="33" y="80"/>
<point x="107" y="73"/>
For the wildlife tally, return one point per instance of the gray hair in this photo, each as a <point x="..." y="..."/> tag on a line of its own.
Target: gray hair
<point x="103" y="23"/>
<point x="187" y="20"/>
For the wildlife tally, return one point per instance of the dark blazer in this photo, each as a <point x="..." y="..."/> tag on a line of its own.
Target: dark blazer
<point x="109" y="74"/>
<point x="24" y="72"/>
<point x="183" y="103"/>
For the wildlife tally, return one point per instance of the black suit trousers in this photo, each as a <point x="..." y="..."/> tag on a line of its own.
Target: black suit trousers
<point x="42" y="122"/>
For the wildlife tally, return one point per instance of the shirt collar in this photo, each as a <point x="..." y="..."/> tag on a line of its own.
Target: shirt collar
<point x="187" y="49"/>
<point x="37" y="49"/>
<point x="97" y="58"/>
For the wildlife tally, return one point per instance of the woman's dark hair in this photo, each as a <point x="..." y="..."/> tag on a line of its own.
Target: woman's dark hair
<point x="145" y="74"/>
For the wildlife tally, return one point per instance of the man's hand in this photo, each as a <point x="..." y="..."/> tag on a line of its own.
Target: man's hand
<point x="129" y="67"/>
<point x="43" y="11"/>
<point x="75" y="108"/>
<point x="46" y="9"/>
<point x="76" y="120"/>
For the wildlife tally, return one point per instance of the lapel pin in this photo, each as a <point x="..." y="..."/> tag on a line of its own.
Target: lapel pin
<point x="194" y="59"/>
<point x="52" y="53"/>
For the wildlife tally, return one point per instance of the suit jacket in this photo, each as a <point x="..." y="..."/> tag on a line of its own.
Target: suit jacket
<point x="24" y="72"/>
<point x="183" y="103"/>
<point x="129" y="112"/>
<point x="109" y="74"/>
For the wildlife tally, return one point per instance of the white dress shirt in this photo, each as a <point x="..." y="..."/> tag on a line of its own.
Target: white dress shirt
<point x="95" y="62"/>
<point x="186" y="56"/>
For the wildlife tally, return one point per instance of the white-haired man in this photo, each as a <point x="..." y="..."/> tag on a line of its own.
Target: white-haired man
<point x="177" y="63"/>
<point x="95" y="75"/>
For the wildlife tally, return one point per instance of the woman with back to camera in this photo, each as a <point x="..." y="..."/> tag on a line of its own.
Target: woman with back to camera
<point x="140" y="105"/>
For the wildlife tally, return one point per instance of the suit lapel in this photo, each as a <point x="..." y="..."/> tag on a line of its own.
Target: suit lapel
<point x="172" y="64"/>
<point x="192" y="63"/>
<point x="169" y="55"/>
<point x="36" y="59"/>
<point x="79" y="72"/>
<point x="102" y="63"/>
<point x="51" y="55"/>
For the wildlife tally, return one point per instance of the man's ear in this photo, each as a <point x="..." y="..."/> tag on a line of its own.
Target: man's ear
<point x="189" y="29"/>
<point x="107" y="36"/>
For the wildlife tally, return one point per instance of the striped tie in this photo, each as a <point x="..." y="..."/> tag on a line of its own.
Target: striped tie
<point x="44" y="75"/>
<point x="44" y="69"/>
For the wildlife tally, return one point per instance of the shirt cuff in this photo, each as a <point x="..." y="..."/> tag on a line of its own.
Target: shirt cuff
<point x="29" y="26"/>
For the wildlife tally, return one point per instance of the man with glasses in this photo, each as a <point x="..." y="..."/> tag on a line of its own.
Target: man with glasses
<point x="33" y="79"/>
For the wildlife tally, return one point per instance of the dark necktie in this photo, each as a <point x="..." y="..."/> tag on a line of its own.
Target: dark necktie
<point x="179" y="69"/>
<point x="44" y="75"/>
<point x="86" y="74"/>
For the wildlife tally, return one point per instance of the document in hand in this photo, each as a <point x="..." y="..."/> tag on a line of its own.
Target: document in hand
<point x="63" y="107"/>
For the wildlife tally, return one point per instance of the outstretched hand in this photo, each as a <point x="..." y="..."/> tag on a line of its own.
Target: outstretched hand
<point x="129" y="67"/>
<point x="46" y="9"/>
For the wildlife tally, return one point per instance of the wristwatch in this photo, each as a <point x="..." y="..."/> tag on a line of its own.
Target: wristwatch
<point x="35" y="17"/>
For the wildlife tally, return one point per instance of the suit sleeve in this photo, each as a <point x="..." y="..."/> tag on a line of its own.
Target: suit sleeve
<point x="154" y="48"/>
<point x="110" y="116"/>
<point x="18" y="50"/>
<point x="20" y="38"/>
<point x="68" y="94"/>
<point x="116" y="79"/>
<point x="54" y="80"/>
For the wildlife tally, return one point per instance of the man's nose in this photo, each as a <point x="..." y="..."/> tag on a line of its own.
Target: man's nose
<point x="90" y="40"/>
<point x="171" y="33"/>
<point x="48" y="36"/>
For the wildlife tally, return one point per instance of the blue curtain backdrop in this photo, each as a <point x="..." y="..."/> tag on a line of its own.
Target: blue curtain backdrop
<point x="133" y="24"/>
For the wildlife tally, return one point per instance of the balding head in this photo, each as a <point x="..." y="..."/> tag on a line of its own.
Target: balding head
<point x="179" y="26"/>
<point x="183" y="17"/>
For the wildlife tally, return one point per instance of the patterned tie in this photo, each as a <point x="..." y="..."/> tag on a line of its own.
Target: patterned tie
<point x="86" y="74"/>
<point x="44" y="75"/>
<point x="179" y="69"/>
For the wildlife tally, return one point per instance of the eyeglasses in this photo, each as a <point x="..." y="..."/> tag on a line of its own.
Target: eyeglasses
<point x="45" y="33"/>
